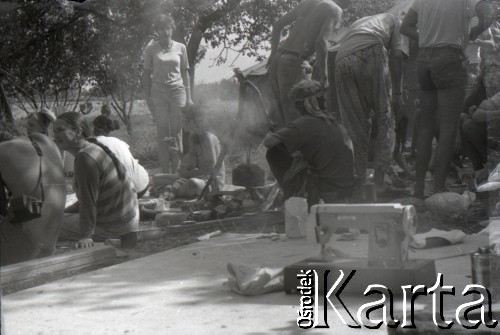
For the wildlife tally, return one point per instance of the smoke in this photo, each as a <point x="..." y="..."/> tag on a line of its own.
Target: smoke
<point x="254" y="106"/>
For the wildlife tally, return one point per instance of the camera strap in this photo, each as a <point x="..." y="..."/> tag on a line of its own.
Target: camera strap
<point x="4" y="197"/>
<point x="5" y="193"/>
<point x="40" y="155"/>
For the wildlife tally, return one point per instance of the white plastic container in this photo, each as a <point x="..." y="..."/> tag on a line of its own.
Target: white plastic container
<point x="295" y="217"/>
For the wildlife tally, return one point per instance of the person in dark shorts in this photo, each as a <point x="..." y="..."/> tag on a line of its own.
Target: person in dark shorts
<point x="442" y="34"/>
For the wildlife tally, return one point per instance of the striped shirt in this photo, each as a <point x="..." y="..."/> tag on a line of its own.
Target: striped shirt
<point x="109" y="201"/>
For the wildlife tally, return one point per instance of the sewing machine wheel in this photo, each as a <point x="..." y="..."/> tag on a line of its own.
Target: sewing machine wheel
<point x="409" y="228"/>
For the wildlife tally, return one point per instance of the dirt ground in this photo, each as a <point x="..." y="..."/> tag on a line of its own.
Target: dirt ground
<point x="469" y="221"/>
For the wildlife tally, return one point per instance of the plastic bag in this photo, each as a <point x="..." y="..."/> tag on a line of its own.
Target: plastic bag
<point x="493" y="182"/>
<point x="450" y="201"/>
<point x="248" y="280"/>
<point x="437" y="238"/>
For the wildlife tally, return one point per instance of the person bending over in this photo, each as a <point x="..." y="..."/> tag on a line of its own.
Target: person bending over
<point x="105" y="191"/>
<point x="312" y="157"/>
<point x="290" y="62"/>
<point x="368" y="74"/>
<point x="32" y="195"/>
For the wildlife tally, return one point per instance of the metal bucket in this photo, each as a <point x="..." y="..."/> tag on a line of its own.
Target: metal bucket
<point x="486" y="272"/>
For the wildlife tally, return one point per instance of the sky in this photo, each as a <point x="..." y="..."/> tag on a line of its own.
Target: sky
<point x="206" y="72"/>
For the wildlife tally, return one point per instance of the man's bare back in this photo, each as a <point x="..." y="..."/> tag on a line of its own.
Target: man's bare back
<point x="20" y="171"/>
<point x="313" y="23"/>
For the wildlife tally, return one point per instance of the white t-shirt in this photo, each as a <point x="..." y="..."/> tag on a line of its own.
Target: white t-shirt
<point x="166" y="65"/>
<point x="136" y="171"/>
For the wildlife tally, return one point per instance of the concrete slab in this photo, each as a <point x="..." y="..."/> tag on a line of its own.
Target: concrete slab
<point x="182" y="291"/>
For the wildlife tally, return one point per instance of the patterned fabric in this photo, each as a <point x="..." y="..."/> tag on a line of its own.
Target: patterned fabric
<point x="381" y="29"/>
<point x="364" y="92"/>
<point x="116" y="200"/>
<point x="490" y="60"/>
<point x="137" y="172"/>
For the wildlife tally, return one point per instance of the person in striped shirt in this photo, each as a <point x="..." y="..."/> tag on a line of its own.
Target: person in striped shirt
<point x="107" y="198"/>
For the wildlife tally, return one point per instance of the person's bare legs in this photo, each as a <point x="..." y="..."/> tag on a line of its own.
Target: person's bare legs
<point x="168" y="124"/>
<point x="176" y="131"/>
<point x="161" y="120"/>
<point x="426" y="132"/>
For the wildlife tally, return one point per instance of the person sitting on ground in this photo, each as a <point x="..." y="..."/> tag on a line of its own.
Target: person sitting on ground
<point x="480" y="132"/>
<point x="138" y="174"/>
<point x="197" y="164"/>
<point x="313" y="155"/>
<point x="41" y="122"/>
<point x="103" y="124"/>
<point x="31" y="173"/>
<point x="107" y="199"/>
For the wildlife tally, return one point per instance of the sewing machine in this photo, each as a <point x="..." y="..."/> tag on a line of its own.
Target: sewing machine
<point x="390" y="230"/>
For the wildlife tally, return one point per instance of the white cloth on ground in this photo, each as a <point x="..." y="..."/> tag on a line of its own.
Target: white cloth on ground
<point x="422" y="241"/>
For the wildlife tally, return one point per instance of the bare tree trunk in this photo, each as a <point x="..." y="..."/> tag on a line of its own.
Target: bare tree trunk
<point x="131" y="107"/>
<point x="196" y="36"/>
<point x="77" y="98"/>
<point x="5" y="110"/>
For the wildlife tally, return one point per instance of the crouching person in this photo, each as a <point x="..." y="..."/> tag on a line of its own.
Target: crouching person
<point x="32" y="195"/>
<point x="107" y="199"/>
<point x="312" y="157"/>
<point x="198" y="162"/>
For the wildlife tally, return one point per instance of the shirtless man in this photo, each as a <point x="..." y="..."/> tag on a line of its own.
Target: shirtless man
<point x="314" y="22"/>
<point x="22" y="174"/>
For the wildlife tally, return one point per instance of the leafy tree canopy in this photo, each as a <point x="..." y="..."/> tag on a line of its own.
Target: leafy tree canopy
<point x="52" y="47"/>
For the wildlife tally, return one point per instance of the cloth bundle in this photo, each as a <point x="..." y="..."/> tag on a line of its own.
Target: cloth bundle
<point x="493" y="182"/>
<point x="248" y="280"/>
